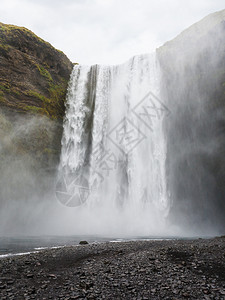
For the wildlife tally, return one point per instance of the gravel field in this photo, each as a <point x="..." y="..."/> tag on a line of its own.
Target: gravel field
<point x="164" y="269"/>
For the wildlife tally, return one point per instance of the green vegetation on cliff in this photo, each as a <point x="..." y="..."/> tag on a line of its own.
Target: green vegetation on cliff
<point x="44" y="73"/>
<point x="33" y="84"/>
<point x="33" y="74"/>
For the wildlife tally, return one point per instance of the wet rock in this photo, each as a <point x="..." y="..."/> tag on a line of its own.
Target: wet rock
<point x="77" y="275"/>
<point x="83" y="243"/>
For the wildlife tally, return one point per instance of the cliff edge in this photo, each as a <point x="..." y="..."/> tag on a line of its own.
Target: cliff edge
<point x="34" y="75"/>
<point x="33" y="84"/>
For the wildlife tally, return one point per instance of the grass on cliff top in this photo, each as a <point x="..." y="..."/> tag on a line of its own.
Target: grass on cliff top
<point x="12" y="30"/>
<point x="51" y="103"/>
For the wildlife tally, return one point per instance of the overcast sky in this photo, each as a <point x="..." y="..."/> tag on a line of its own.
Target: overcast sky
<point x="106" y="31"/>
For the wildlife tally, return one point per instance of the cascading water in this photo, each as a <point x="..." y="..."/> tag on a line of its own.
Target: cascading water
<point x="113" y="155"/>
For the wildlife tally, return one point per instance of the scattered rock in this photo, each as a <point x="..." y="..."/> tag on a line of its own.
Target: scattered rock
<point x="83" y="243"/>
<point x="98" y="271"/>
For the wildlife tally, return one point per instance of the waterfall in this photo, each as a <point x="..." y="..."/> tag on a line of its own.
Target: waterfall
<point x="113" y="146"/>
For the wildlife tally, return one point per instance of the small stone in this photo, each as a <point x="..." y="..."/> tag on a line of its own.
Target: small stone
<point x="2" y="287"/>
<point x="10" y="281"/>
<point x="83" y="243"/>
<point x="52" y="276"/>
<point x="151" y="258"/>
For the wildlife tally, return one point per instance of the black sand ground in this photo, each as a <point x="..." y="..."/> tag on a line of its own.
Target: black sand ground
<point x="175" y="269"/>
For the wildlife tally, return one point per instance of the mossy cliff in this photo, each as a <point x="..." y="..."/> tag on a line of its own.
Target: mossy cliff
<point x="33" y="83"/>
<point x="34" y="75"/>
<point x="193" y="85"/>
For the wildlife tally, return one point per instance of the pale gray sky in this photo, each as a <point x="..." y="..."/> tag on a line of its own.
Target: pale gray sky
<point x="106" y="31"/>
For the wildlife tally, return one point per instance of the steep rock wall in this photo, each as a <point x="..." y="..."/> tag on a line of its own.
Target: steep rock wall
<point x="193" y="85"/>
<point x="33" y="84"/>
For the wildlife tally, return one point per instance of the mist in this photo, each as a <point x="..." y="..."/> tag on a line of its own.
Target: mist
<point x="193" y="84"/>
<point x="178" y="193"/>
<point x="27" y="171"/>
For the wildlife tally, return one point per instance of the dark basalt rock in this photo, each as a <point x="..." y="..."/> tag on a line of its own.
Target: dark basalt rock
<point x="183" y="269"/>
<point x="34" y="75"/>
<point x="83" y="243"/>
<point x="33" y="84"/>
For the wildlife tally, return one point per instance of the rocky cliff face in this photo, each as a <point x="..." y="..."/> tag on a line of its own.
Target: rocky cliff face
<point x="34" y="75"/>
<point x="33" y="84"/>
<point x="193" y="69"/>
